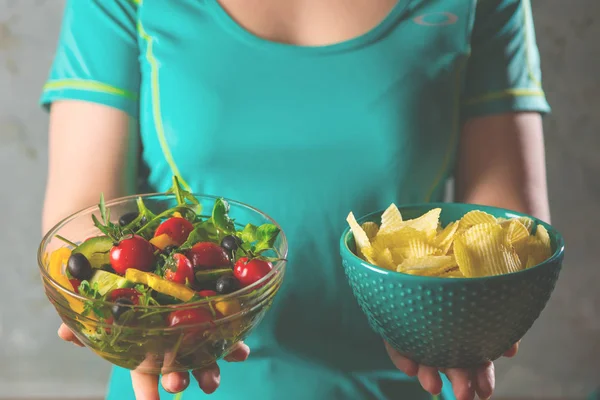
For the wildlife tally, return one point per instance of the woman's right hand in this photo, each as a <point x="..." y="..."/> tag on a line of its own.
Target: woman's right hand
<point x="145" y="386"/>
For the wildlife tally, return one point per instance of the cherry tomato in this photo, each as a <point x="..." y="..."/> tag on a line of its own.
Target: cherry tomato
<point x="108" y="321"/>
<point x="195" y="316"/>
<point x="249" y="271"/>
<point x="208" y="255"/>
<point x="180" y="269"/>
<point x="75" y="283"/>
<point x="125" y="293"/>
<point x="134" y="252"/>
<point x="176" y="228"/>
<point x="207" y="293"/>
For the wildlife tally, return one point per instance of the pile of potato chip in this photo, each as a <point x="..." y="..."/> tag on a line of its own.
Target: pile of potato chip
<point x="477" y="245"/>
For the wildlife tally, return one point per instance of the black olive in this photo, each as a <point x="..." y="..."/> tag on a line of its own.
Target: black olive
<point x="129" y="217"/>
<point x="220" y="345"/>
<point x="120" y="307"/>
<point x="230" y="243"/>
<point x="169" y="249"/>
<point x="227" y="284"/>
<point x="79" y="267"/>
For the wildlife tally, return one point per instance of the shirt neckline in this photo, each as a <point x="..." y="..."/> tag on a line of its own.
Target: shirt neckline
<point x="398" y="11"/>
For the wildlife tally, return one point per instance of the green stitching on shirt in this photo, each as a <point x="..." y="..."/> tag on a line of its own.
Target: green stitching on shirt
<point x="156" y="110"/>
<point x="504" y="94"/>
<point x="94" y="86"/>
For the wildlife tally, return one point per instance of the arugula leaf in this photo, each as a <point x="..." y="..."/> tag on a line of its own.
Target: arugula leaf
<point x="221" y="218"/>
<point x="67" y="241"/>
<point x="248" y="234"/>
<point x="199" y="234"/>
<point x="104" y="212"/>
<point x="113" y="231"/>
<point x="146" y="298"/>
<point x="180" y="193"/>
<point x="266" y="235"/>
<point x="93" y="294"/>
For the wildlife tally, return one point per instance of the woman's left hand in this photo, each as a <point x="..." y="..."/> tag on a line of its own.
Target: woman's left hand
<point x="465" y="383"/>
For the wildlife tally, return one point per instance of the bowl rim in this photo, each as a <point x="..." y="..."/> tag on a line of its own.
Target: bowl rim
<point x="558" y="253"/>
<point x="278" y="266"/>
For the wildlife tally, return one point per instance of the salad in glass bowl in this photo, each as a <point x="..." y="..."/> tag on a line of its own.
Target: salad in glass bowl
<point x="163" y="286"/>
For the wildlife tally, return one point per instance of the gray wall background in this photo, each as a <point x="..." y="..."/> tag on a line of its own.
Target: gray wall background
<point x="560" y="357"/>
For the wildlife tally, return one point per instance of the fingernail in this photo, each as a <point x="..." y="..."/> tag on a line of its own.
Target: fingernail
<point x="170" y="383"/>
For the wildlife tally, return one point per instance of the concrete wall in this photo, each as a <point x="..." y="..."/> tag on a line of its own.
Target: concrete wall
<point x="559" y="357"/>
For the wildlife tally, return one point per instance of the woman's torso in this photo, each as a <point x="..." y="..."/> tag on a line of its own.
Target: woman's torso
<point x="306" y="134"/>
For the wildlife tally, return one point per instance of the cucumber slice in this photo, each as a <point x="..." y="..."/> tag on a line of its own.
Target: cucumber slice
<point x="212" y="274"/>
<point x="96" y="250"/>
<point x="108" y="281"/>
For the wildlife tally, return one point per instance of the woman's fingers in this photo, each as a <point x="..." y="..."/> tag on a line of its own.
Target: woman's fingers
<point x="208" y="378"/>
<point x="405" y="365"/>
<point x="240" y="352"/>
<point x="461" y="383"/>
<point x="145" y="386"/>
<point x="513" y="350"/>
<point x="66" y="334"/>
<point x="175" y="382"/>
<point x="430" y="379"/>
<point x="485" y="380"/>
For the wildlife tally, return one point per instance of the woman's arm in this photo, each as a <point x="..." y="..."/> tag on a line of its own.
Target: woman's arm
<point x="502" y="163"/>
<point x="92" y="149"/>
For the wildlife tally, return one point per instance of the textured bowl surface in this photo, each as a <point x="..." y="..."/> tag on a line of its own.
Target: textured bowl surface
<point x="148" y="345"/>
<point x="451" y="322"/>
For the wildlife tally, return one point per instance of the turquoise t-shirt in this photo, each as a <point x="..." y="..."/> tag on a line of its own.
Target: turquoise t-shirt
<point x="306" y="134"/>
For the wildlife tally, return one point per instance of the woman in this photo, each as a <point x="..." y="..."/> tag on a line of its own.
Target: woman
<point x="306" y="110"/>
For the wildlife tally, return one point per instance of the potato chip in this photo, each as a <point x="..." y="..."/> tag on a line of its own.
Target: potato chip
<point x="542" y="235"/>
<point x="428" y="262"/>
<point x="426" y="223"/>
<point x="477" y="245"/>
<point x="398" y="238"/>
<point x="476" y="217"/>
<point x="452" y="273"/>
<point x="371" y="229"/>
<point x="516" y="232"/>
<point x="444" y="239"/>
<point x="482" y="250"/>
<point x="391" y="220"/>
<point x="532" y="251"/>
<point x="527" y="222"/>
<point x="385" y="260"/>
<point x="363" y="244"/>
<point x="415" y="248"/>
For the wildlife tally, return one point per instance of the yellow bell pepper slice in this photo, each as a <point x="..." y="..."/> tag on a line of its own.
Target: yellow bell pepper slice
<point x="58" y="259"/>
<point x="228" y="307"/>
<point x="56" y="269"/>
<point x="162" y="241"/>
<point x="159" y="284"/>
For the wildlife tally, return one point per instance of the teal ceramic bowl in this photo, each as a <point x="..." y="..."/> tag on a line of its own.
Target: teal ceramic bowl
<point x="451" y="322"/>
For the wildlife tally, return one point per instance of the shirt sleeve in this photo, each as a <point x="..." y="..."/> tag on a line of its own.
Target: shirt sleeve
<point x="503" y="71"/>
<point x="97" y="55"/>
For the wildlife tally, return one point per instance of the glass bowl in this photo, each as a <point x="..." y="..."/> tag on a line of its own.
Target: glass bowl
<point x="451" y="322"/>
<point x="147" y="344"/>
